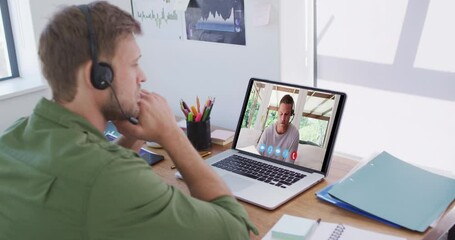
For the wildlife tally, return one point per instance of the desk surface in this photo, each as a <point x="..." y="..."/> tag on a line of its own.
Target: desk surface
<point x="304" y="205"/>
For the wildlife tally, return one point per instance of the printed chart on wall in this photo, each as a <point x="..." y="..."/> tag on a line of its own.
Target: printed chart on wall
<point x="160" y="19"/>
<point x="198" y="20"/>
<point x="216" y="21"/>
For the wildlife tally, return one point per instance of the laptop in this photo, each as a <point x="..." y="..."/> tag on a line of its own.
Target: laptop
<point x="268" y="175"/>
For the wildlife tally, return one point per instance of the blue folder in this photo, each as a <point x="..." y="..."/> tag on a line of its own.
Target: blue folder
<point x="397" y="191"/>
<point x="325" y="196"/>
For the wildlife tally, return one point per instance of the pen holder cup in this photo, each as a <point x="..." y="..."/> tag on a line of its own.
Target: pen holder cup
<point x="199" y="134"/>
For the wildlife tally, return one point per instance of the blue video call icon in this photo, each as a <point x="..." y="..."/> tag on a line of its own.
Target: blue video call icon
<point x="262" y="148"/>
<point x="270" y="150"/>
<point x="277" y="151"/>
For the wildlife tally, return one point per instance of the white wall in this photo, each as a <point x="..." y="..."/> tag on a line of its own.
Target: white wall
<point x="396" y="61"/>
<point x="184" y="69"/>
<point x="43" y="10"/>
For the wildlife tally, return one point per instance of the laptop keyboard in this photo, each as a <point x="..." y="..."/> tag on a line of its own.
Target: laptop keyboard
<point x="261" y="171"/>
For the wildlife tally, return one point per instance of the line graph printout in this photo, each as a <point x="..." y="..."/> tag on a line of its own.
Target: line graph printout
<point x="160" y="19"/>
<point x="216" y="21"/>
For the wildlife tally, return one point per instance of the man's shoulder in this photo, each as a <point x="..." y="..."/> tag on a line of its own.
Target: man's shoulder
<point x="294" y="128"/>
<point x="88" y="154"/>
<point x="271" y="128"/>
<point x="292" y="131"/>
<point x="61" y="152"/>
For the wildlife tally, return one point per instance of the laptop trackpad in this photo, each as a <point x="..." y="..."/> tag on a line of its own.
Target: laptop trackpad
<point x="236" y="184"/>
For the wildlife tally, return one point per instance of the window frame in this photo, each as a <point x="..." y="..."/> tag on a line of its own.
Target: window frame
<point x="10" y="46"/>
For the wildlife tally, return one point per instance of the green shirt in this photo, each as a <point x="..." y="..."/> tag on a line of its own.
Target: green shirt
<point x="61" y="179"/>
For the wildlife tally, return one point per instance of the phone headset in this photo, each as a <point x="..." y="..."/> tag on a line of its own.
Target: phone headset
<point x="101" y="73"/>
<point x="292" y="114"/>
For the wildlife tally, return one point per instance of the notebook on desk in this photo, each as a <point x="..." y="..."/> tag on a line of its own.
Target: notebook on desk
<point x="293" y="227"/>
<point x="269" y="175"/>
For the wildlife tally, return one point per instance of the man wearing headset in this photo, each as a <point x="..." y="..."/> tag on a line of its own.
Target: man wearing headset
<point x="61" y="179"/>
<point x="281" y="139"/>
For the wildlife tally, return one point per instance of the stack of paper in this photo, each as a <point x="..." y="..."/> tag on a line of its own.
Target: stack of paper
<point x="292" y="227"/>
<point x="222" y="137"/>
<point x="394" y="191"/>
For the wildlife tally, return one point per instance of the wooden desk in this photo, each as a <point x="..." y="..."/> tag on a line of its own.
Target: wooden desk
<point x="444" y="226"/>
<point x="305" y="205"/>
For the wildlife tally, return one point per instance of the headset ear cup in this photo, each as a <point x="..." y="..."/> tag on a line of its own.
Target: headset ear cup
<point x="102" y="75"/>
<point x="292" y="114"/>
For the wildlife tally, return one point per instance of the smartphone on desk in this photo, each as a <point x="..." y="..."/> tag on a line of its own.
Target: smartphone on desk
<point x="149" y="156"/>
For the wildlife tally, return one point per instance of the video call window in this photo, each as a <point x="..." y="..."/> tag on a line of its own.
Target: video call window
<point x="313" y="117"/>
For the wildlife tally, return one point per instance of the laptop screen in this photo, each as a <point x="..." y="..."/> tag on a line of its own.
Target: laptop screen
<point x="289" y="124"/>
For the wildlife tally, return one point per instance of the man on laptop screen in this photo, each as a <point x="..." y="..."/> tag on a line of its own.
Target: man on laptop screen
<point x="269" y="173"/>
<point x="313" y="117"/>
<point x="281" y="139"/>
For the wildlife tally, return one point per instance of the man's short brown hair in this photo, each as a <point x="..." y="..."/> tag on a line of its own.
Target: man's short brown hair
<point x="64" y="43"/>
<point x="287" y="99"/>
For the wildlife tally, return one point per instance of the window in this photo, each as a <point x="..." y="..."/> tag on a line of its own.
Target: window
<point x="8" y="61"/>
<point x="313" y="130"/>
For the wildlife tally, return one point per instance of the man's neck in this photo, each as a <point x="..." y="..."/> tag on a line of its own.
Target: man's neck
<point x="87" y="111"/>
<point x="281" y="128"/>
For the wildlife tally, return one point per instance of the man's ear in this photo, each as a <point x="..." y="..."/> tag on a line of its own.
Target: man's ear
<point x="84" y="74"/>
